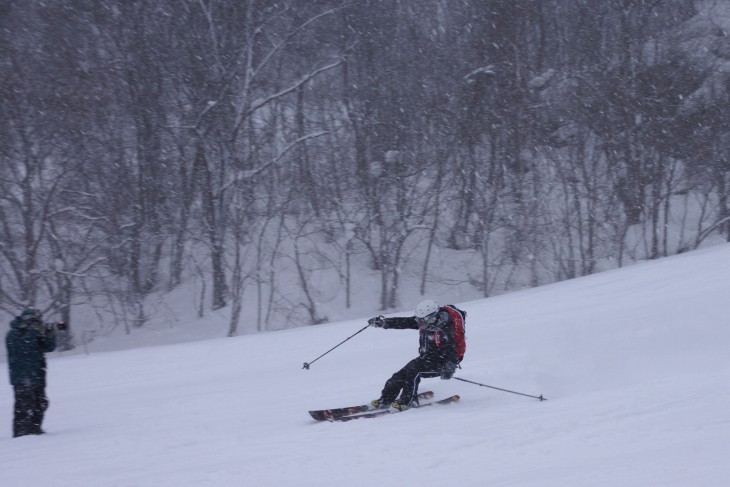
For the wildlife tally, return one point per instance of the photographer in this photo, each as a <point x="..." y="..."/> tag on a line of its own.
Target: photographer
<point x="27" y="342"/>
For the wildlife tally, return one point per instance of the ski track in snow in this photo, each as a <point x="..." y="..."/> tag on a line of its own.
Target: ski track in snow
<point x="634" y="363"/>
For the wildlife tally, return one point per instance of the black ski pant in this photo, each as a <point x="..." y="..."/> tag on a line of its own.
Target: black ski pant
<point x="406" y="380"/>
<point x="30" y="405"/>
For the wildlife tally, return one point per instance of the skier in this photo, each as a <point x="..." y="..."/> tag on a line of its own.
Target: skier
<point x="27" y="342"/>
<point x="441" y="347"/>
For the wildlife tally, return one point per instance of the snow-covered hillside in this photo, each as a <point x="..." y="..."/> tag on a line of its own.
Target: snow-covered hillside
<point x="634" y="362"/>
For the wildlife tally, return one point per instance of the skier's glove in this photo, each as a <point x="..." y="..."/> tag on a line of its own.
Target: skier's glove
<point x="447" y="371"/>
<point x="377" y="322"/>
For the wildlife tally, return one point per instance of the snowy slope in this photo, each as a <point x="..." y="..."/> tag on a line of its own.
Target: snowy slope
<point x="635" y="364"/>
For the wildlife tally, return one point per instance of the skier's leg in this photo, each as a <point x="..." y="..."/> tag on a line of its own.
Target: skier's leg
<point x="398" y="381"/>
<point x="417" y="369"/>
<point x="40" y="405"/>
<point x="22" y="412"/>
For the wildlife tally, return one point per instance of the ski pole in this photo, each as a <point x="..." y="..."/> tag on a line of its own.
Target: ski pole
<point x="307" y="364"/>
<point x="540" y="397"/>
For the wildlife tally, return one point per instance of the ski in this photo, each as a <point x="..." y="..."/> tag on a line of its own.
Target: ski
<point x="330" y="414"/>
<point x="383" y="412"/>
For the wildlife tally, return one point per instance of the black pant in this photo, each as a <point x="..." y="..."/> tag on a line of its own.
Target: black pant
<point x="30" y="405"/>
<point x="406" y="380"/>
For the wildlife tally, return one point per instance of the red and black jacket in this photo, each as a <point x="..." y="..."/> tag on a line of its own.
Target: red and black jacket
<point x="443" y="342"/>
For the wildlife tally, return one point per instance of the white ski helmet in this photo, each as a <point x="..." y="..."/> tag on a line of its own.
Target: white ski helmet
<point x="426" y="308"/>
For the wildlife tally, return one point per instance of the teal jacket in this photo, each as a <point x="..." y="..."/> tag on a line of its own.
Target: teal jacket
<point x="27" y="342"/>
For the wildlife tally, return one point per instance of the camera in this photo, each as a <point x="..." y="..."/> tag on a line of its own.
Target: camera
<point x="58" y="326"/>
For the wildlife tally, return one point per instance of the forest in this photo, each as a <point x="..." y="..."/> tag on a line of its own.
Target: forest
<point x="262" y="148"/>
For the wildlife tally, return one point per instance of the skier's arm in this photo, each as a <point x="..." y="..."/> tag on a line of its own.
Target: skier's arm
<point x="401" y="323"/>
<point x="450" y="353"/>
<point x="47" y="341"/>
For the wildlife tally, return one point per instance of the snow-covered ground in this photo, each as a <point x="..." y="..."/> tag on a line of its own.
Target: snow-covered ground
<point x="635" y="364"/>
